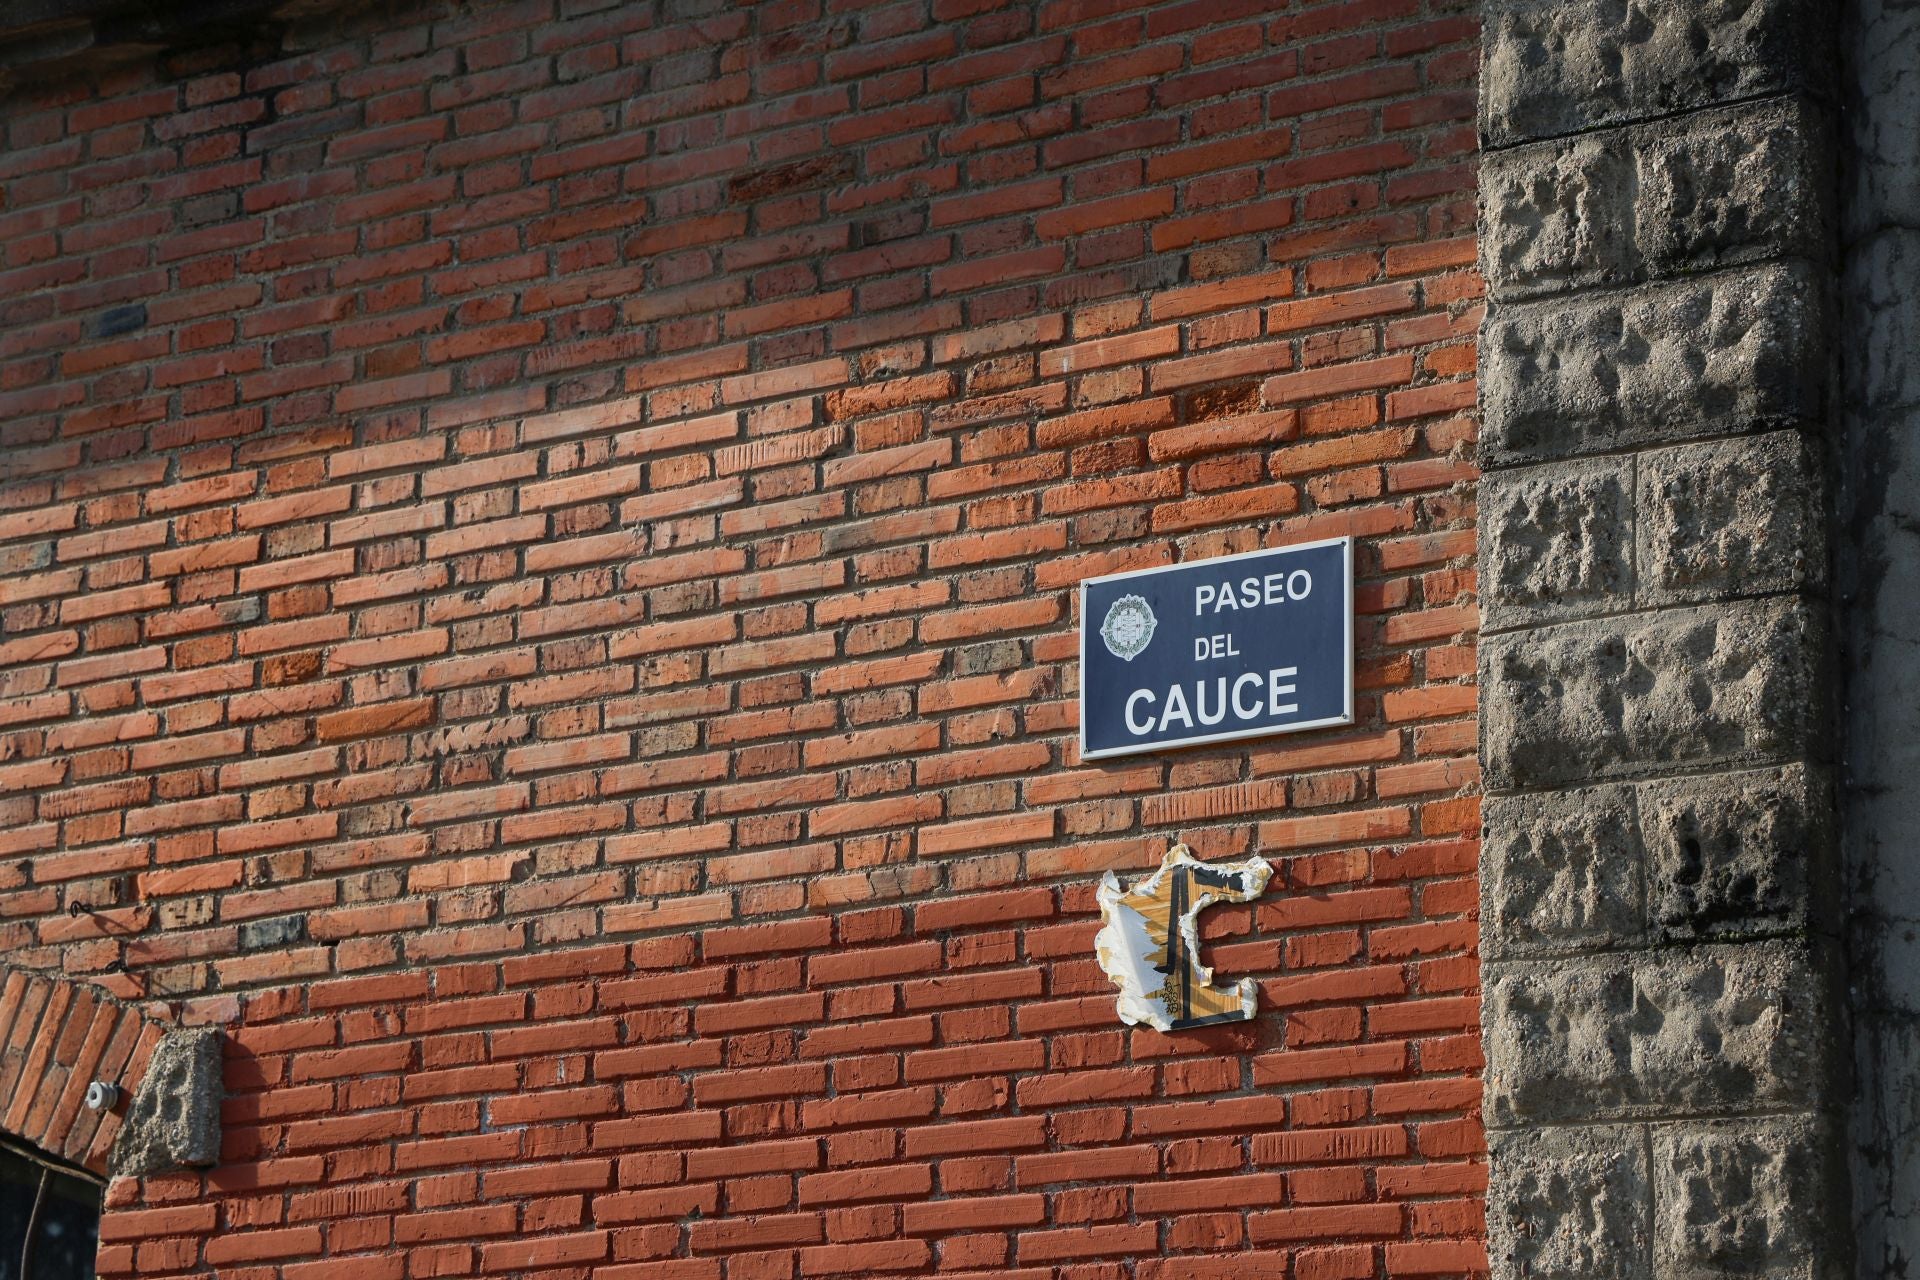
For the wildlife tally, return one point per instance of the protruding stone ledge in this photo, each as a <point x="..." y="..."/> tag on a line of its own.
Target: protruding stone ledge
<point x="1713" y="189"/>
<point x="174" y="1119"/>
<point x="1667" y="692"/>
<point x="1723" y="856"/>
<point x="1725" y="353"/>
<point x="1551" y="68"/>
<point x="1644" y="1035"/>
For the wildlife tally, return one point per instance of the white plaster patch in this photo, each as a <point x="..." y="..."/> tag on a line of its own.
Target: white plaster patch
<point x="1149" y="941"/>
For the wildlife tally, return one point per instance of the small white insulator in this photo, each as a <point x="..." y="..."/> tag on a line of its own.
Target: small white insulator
<point x="102" y="1096"/>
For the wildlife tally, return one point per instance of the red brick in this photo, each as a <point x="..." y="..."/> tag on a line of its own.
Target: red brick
<point x="610" y="586"/>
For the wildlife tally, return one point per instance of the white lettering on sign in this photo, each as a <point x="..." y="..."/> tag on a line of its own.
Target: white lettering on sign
<point x="1252" y="593"/>
<point x="1212" y="702"/>
<point x="1176" y="709"/>
<point x="1205" y="647"/>
<point x="1240" y="646"/>
<point x="1276" y="691"/>
<point x="1244" y="712"/>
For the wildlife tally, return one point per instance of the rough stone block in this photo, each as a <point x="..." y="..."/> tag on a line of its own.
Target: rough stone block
<point x="1570" y="1204"/>
<point x="1722" y="684"/>
<point x="1551" y="68"/>
<point x="1711" y="189"/>
<point x="1739" y="1027"/>
<point x="1699" y="1031"/>
<point x="174" y="1118"/>
<point x="1720" y="856"/>
<point x="1740" y="854"/>
<point x="1730" y="517"/>
<point x="1556" y="1040"/>
<point x="1751" y="1198"/>
<point x="1558" y="215"/>
<point x="1560" y="872"/>
<point x="1556" y="542"/>
<point x="1711" y="356"/>
<point x="1732" y="186"/>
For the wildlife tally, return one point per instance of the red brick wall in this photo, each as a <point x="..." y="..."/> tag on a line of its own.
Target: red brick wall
<point x="538" y="552"/>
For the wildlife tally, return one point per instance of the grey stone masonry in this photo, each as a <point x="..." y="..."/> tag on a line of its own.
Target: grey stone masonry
<point x="1729" y="1198"/>
<point x="1698" y="522"/>
<point x="1551" y="69"/>
<point x="1727" y="685"/>
<point x="1710" y="355"/>
<point x="173" y="1121"/>
<point x="1715" y="188"/>
<point x="1675" y="1031"/>
<point x="1659" y="891"/>
<point x="1625" y="866"/>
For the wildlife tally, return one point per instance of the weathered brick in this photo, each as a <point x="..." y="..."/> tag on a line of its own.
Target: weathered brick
<point x="538" y="600"/>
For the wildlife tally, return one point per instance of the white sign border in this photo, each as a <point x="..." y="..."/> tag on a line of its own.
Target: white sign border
<point x="1344" y="542"/>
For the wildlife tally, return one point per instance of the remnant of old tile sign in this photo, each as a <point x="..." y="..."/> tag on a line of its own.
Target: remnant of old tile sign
<point x="1234" y="647"/>
<point x="1149" y="941"/>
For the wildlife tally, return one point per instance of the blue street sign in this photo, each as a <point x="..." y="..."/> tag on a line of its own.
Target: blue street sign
<point x="1213" y="650"/>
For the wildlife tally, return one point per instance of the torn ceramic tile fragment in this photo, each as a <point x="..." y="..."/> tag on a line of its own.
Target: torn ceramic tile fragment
<point x="1149" y="941"/>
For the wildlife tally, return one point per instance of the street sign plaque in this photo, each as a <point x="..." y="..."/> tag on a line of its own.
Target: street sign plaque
<point x="1239" y="646"/>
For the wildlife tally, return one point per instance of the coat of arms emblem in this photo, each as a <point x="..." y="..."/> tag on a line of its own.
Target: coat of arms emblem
<point x="1128" y="628"/>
